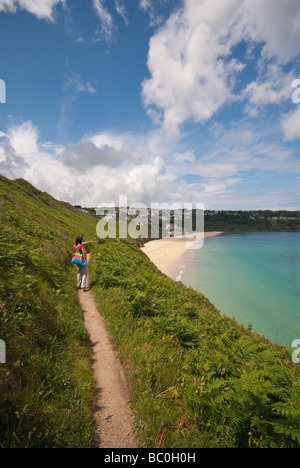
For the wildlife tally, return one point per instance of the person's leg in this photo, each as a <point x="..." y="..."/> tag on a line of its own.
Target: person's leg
<point x="79" y="276"/>
<point x="84" y="272"/>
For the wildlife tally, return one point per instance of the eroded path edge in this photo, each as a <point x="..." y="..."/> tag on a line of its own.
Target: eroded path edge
<point x="112" y="416"/>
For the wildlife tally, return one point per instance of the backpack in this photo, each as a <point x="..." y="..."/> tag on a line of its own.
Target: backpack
<point x="78" y="257"/>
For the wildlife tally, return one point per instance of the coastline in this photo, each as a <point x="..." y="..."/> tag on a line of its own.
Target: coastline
<point x="169" y="253"/>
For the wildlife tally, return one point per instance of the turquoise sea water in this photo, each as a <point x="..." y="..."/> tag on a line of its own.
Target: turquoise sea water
<point x="254" y="277"/>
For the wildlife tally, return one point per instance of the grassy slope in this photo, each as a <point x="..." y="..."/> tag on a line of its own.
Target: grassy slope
<point x="198" y="379"/>
<point x="46" y="384"/>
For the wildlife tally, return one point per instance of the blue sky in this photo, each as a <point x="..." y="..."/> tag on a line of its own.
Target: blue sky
<point x="160" y="100"/>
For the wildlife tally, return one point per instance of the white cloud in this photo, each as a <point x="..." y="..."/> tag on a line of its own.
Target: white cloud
<point x="291" y="124"/>
<point x="145" y="4"/>
<point x="273" y="87"/>
<point x="24" y="139"/>
<point x="43" y="9"/>
<point x="182" y="157"/>
<point x="98" y="168"/>
<point x="187" y="81"/>
<point x="148" y="6"/>
<point x="103" y="166"/>
<point x="193" y="71"/>
<point x="243" y="150"/>
<point x="74" y="81"/>
<point x="107" y="24"/>
<point x="122" y="10"/>
<point x="276" y="24"/>
<point x="102" y="150"/>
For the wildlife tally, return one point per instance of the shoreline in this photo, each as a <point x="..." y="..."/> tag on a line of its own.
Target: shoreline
<point x="167" y="254"/>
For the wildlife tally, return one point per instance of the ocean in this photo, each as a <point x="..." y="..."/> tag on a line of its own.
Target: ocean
<point x="253" y="277"/>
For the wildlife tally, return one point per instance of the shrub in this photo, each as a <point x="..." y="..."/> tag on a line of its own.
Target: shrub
<point x="198" y="379"/>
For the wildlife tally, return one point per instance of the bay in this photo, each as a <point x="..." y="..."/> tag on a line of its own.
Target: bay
<point x="253" y="277"/>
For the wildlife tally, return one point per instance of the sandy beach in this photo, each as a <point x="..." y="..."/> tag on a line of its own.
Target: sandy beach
<point x="165" y="253"/>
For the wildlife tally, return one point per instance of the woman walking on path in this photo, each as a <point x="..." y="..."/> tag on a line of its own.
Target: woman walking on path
<point x="82" y="271"/>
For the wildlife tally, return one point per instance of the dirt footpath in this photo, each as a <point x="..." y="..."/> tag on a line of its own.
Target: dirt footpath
<point x="113" y="418"/>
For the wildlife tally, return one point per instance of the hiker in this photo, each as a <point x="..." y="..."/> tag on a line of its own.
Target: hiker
<point x="80" y="260"/>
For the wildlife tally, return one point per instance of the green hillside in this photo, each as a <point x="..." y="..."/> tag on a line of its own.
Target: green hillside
<point x="45" y="385"/>
<point x="264" y="220"/>
<point x="198" y="379"/>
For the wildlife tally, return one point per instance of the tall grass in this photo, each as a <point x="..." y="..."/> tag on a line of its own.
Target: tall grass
<point x="198" y="379"/>
<point x="46" y="387"/>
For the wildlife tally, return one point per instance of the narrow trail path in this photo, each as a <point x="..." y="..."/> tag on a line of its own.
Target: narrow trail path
<point x="112" y="415"/>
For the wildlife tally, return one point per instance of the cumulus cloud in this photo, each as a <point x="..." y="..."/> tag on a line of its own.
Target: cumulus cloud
<point x="192" y="64"/>
<point x="274" y="23"/>
<point x="101" y="167"/>
<point x="102" y="150"/>
<point x="85" y="155"/>
<point x="24" y="139"/>
<point x="43" y="9"/>
<point x="291" y="124"/>
<point x="98" y="168"/>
